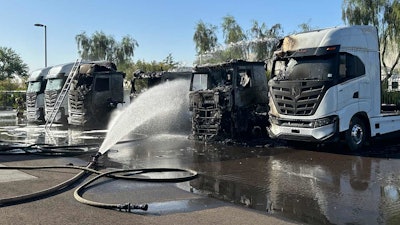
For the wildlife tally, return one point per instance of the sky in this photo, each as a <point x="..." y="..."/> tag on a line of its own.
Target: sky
<point x="160" y="27"/>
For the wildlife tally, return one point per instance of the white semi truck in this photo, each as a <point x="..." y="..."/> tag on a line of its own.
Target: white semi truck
<point x="35" y="95"/>
<point x="326" y="85"/>
<point x="55" y="80"/>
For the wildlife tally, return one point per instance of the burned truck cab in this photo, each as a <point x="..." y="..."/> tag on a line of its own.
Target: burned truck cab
<point x="142" y="81"/>
<point x="56" y="78"/>
<point x="95" y="91"/>
<point x="35" y="95"/>
<point x="229" y="100"/>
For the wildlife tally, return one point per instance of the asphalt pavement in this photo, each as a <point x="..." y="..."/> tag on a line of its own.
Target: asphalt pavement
<point x="168" y="203"/>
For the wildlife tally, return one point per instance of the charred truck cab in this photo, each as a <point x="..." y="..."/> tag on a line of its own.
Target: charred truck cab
<point x="55" y="81"/>
<point x="95" y="91"/>
<point x="326" y="85"/>
<point x="35" y="95"/>
<point x="142" y="81"/>
<point x="228" y="100"/>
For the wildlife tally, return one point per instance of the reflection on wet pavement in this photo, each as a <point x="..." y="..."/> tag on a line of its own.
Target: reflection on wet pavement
<point x="313" y="186"/>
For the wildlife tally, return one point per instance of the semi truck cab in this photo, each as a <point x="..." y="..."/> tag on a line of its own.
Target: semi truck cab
<point x="326" y="85"/>
<point x="228" y="100"/>
<point x="94" y="93"/>
<point x="35" y="95"/>
<point x="56" y="78"/>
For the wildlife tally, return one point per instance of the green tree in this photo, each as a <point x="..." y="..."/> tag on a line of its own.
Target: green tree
<point x="264" y="39"/>
<point x="125" y="50"/>
<point x="11" y="64"/>
<point x="154" y="66"/>
<point x="104" y="47"/>
<point x="233" y="35"/>
<point x="204" y="37"/>
<point x="304" y="27"/>
<point x="170" y="62"/>
<point x="383" y="14"/>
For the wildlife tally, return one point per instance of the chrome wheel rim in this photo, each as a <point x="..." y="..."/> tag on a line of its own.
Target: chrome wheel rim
<point x="357" y="134"/>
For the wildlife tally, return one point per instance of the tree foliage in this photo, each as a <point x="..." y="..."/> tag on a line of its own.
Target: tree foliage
<point x="231" y="30"/>
<point x="100" y="46"/>
<point x="305" y="27"/>
<point x="363" y="12"/>
<point x="165" y="65"/>
<point x="170" y="62"/>
<point x="233" y="33"/>
<point x="383" y="14"/>
<point x="205" y="37"/>
<point x="258" y="43"/>
<point x="11" y="64"/>
<point x="263" y="45"/>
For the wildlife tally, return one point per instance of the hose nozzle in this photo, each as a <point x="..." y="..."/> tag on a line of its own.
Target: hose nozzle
<point x="129" y="207"/>
<point x="95" y="158"/>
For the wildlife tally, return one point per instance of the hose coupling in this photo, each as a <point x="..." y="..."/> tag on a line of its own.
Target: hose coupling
<point x="93" y="162"/>
<point x="96" y="157"/>
<point x="128" y="207"/>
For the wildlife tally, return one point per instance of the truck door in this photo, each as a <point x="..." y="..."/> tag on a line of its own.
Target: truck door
<point x="101" y="93"/>
<point x="243" y="92"/>
<point x="351" y="89"/>
<point x="117" y="91"/>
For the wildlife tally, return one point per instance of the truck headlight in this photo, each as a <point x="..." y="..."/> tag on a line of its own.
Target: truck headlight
<point x="324" y="121"/>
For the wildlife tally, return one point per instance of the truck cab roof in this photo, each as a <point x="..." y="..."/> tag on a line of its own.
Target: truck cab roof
<point x="348" y="37"/>
<point x="39" y="74"/>
<point x="229" y="64"/>
<point x="60" y="71"/>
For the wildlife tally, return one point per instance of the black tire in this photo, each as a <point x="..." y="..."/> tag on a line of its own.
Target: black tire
<point x="356" y="135"/>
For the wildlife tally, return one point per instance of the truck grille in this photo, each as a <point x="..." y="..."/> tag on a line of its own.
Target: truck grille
<point x="77" y="111"/>
<point x="31" y="100"/>
<point x="297" y="98"/>
<point x="50" y="98"/>
<point x="206" y="117"/>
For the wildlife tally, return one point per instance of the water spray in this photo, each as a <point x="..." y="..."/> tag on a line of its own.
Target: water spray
<point x="116" y="133"/>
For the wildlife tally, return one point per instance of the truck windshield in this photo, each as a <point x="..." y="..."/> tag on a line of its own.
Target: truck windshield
<point x="34" y="86"/>
<point x="306" y="68"/>
<point x="199" y="81"/>
<point x="54" y="84"/>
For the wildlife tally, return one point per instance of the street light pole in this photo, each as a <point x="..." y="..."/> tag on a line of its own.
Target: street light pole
<point x="45" y="42"/>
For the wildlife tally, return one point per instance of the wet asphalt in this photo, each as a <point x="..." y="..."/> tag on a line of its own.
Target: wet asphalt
<point x="269" y="183"/>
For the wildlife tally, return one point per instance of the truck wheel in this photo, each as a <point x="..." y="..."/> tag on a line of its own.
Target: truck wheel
<point x="356" y="135"/>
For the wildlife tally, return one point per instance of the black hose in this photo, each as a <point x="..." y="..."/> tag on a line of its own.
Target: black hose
<point x="48" y="149"/>
<point x="51" y="190"/>
<point x="42" y="193"/>
<point x="78" y="194"/>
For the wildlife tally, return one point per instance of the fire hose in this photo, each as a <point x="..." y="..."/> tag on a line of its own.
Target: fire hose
<point x="90" y="168"/>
